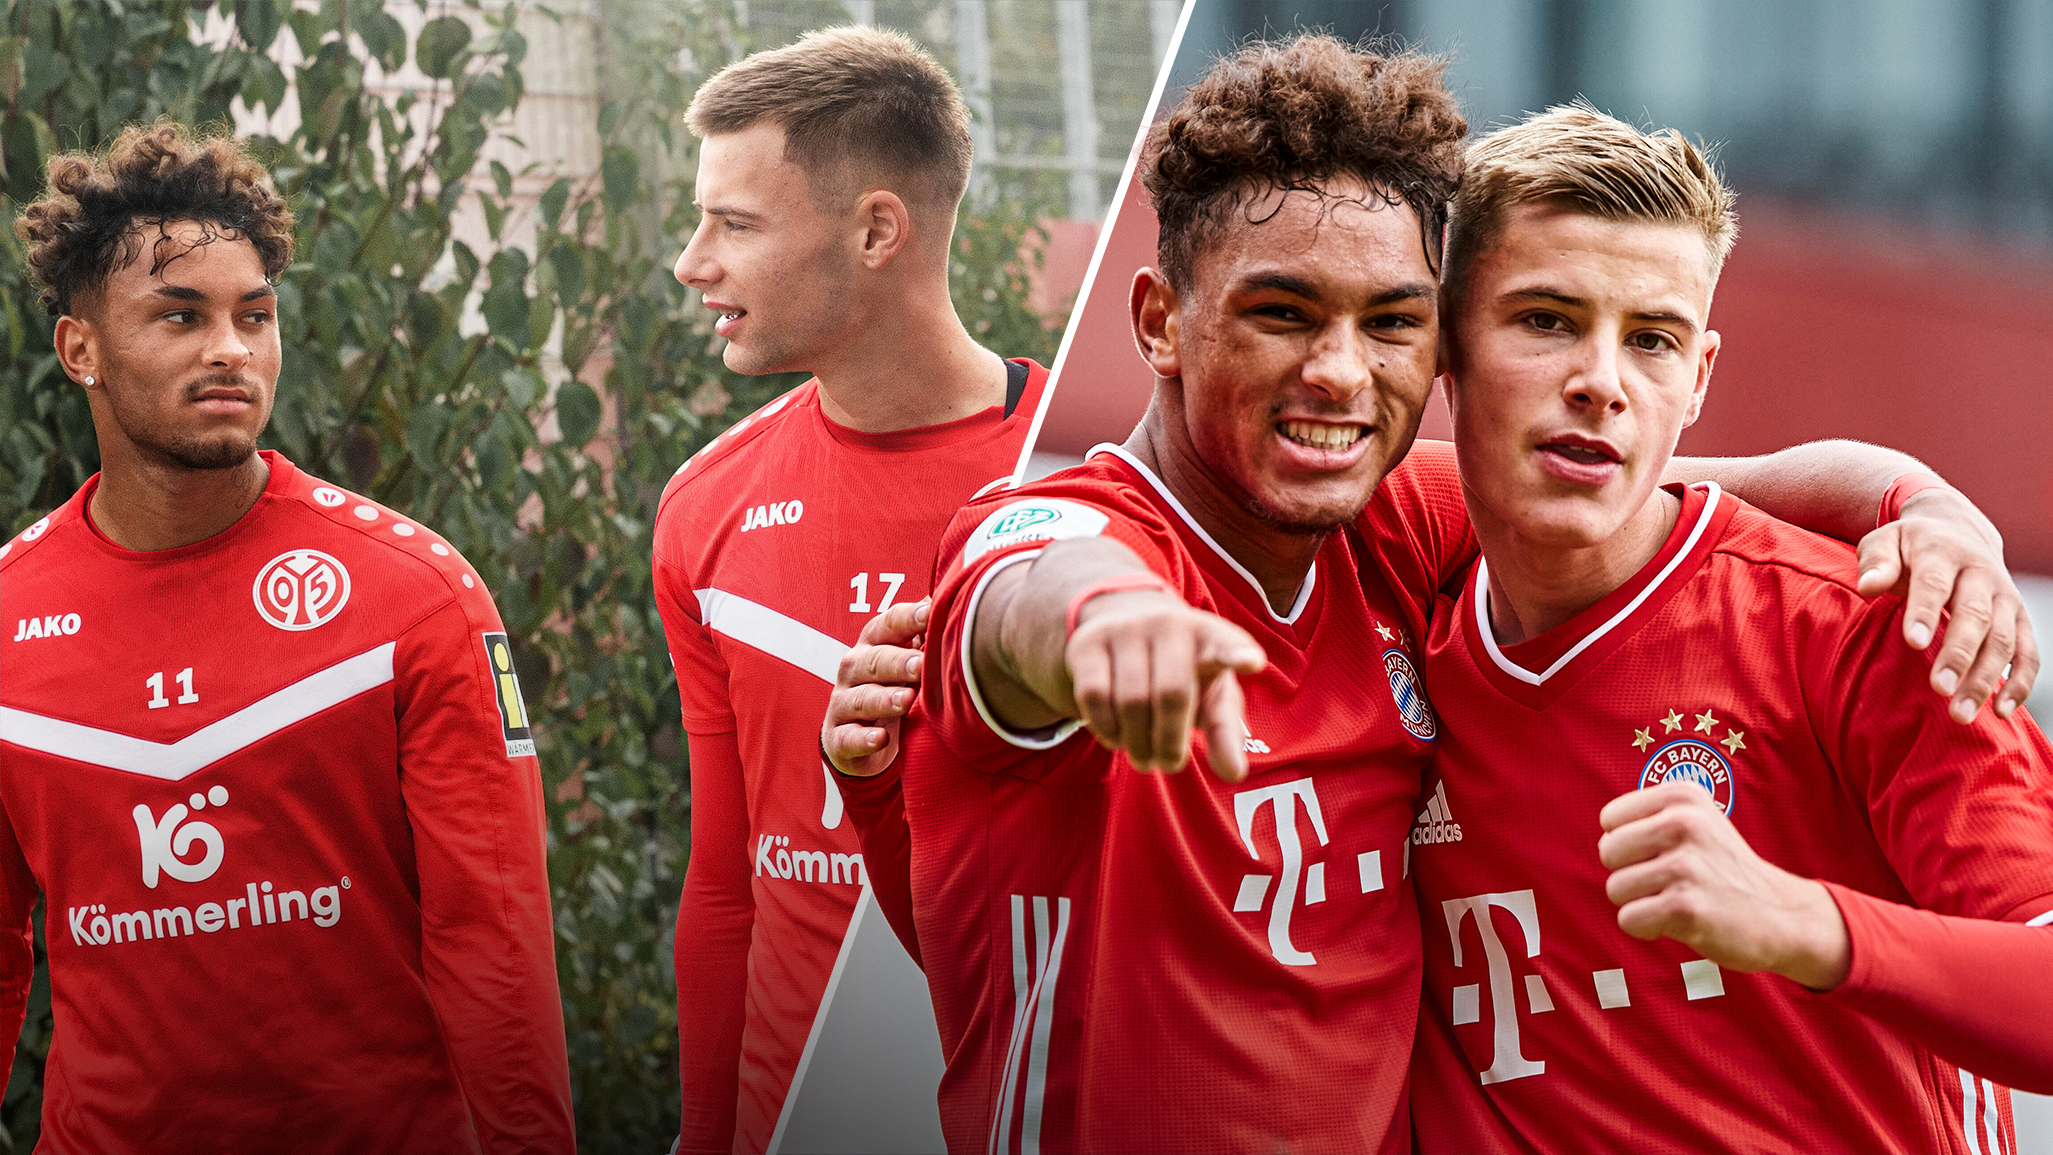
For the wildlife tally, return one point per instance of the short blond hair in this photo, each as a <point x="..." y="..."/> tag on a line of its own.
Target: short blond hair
<point x="852" y="101"/>
<point x="1573" y="154"/>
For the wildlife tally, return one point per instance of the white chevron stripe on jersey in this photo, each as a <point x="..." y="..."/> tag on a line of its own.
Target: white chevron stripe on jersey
<point x="763" y="628"/>
<point x="209" y="744"/>
<point x="786" y="639"/>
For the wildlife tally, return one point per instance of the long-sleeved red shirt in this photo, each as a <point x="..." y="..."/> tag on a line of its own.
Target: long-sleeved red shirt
<point x="277" y="789"/>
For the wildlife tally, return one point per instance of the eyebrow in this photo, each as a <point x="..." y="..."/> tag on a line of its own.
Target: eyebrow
<point x="728" y="212"/>
<point x="1285" y="282"/>
<point x="187" y="293"/>
<point x="1555" y="296"/>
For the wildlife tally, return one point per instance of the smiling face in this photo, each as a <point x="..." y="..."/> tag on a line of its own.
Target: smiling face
<point x="1577" y="355"/>
<point x="184" y="360"/>
<point x="1302" y="353"/>
<point x="770" y="261"/>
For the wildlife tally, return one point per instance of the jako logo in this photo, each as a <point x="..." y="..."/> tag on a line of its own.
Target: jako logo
<point x="776" y="513"/>
<point x="166" y="842"/>
<point x="48" y="626"/>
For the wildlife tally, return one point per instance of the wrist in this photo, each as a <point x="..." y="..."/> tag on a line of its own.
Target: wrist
<point x="1904" y="488"/>
<point x="1131" y="582"/>
<point x="1824" y="955"/>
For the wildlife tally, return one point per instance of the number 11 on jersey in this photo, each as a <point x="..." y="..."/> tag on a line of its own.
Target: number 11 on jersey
<point x="860" y="583"/>
<point x="156" y="684"/>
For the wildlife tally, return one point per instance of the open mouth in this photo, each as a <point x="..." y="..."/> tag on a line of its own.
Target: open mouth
<point x="728" y="319"/>
<point x="1581" y="454"/>
<point x="1320" y="436"/>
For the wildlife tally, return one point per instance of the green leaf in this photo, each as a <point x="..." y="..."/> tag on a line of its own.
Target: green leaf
<point x="569" y="264"/>
<point x="424" y="430"/>
<point x="384" y="38"/>
<point x="441" y="41"/>
<point x="621" y="173"/>
<point x="551" y="205"/>
<point x="505" y="304"/>
<point x="577" y="413"/>
<point x="495" y="215"/>
<point x="502" y="179"/>
<point x="520" y="386"/>
<point x="259" y="21"/>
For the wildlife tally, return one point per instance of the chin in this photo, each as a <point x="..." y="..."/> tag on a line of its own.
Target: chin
<point x="207" y="454"/>
<point x="1307" y="518"/>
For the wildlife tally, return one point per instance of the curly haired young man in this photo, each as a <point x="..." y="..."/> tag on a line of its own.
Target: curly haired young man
<point x="262" y="754"/>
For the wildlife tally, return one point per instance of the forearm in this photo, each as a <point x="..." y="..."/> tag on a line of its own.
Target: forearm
<point x="1972" y="991"/>
<point x="1829" y="487"/>
<point x="1019" y="638"/>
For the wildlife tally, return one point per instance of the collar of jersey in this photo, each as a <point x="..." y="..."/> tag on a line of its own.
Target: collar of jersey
<point x="1304" y="592"/>
<point x="1479" y="595"/>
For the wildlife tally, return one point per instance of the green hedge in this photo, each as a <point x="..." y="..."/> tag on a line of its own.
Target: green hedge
<point x="389" y="388"/>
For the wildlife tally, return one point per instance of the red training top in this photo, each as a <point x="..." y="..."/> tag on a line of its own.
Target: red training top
<point x="774" y="545"/>
<point x="277" y="789"/>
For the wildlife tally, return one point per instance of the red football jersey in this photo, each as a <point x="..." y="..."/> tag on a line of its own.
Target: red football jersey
<point x="1740" y="659"/>
<point x="1143" y="962"/>
<point x="278" y="792"/>
<point x="775" y="544"/>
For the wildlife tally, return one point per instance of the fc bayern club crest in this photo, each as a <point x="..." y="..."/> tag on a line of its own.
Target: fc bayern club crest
<point x="1688" y="760"/>
<point x="1412" y="708"/>
<point x="301" y="589"/>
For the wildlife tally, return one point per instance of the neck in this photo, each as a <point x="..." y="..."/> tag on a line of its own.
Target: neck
<point x="145" y="506"/>
<point x="911" y="364"/>
<point x="1536" y="586"/>
<point x="1279" y="559"/>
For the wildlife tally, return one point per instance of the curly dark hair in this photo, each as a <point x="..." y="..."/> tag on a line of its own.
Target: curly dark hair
<point x="1295" y="114"/>
<point x="92" y="219"/>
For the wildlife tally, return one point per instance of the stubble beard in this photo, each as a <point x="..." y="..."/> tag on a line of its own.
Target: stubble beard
<point x="194" y="453"/>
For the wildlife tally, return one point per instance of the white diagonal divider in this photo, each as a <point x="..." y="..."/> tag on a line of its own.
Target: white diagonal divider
<point x="209" y="744"/>
<point x="781" y="637"/>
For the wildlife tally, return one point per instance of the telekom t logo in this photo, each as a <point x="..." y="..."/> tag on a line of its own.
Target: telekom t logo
<point x="166" y="842"/>
<point x="1283" y="799"/>
<point x="1506" y="1061"/>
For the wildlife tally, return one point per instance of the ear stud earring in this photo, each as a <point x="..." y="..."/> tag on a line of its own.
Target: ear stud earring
<point x="89" y="381"/>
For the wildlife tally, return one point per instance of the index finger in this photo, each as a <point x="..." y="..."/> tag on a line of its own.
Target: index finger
<point x="1637" y="804"/>
<point x="897" y="626"/>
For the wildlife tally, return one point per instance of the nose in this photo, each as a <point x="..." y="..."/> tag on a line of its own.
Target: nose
<point x="694" y="269"/>
<point x="1595" y="382"/>
<point x="1338" y="365"/>
<point x="226" y="351"/>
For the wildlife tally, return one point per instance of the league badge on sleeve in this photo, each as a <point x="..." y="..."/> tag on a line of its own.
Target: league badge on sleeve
<point x="1037" y="519"/>
<point x="513" y="713"/>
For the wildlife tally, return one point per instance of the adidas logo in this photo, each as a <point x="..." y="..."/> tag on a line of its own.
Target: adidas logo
<point x="1436" y="822"/>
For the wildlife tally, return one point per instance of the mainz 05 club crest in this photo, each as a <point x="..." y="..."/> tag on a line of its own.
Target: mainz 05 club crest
<point x="1694" y="756"/>
<point x="301" y="589"/>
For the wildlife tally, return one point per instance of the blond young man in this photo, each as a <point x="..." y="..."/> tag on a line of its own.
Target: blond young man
<point x="1721" y="667"/>
<point x="829" y="175"/>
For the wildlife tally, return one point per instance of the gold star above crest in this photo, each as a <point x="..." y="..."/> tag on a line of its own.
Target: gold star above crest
<point x="1732" y="742"/>
<point x="1705" y="722"/>
<point x="1642" y="739"/>
<point x="1385" y="632"/>
<point x="1673" y="721"/>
